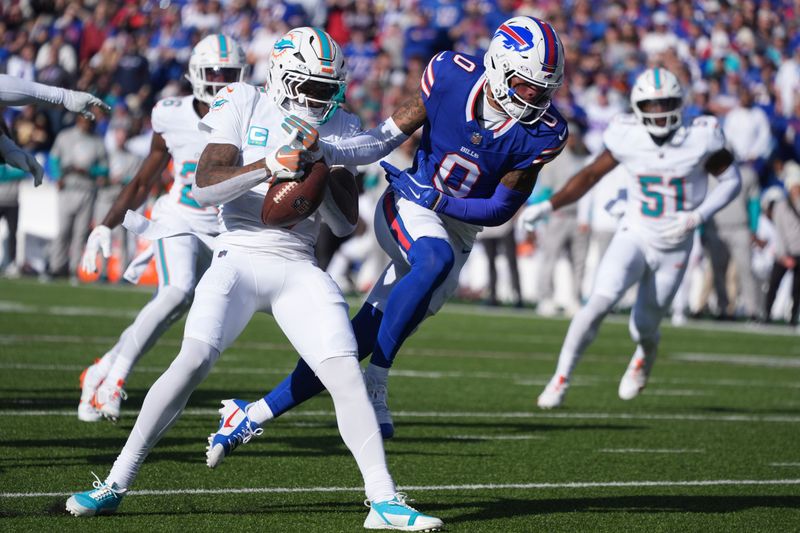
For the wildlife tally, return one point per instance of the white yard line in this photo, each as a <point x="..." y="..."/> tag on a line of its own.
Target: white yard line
<point x="440" y="488"/>
<point x="784" y="464"/>
<point x="676" y="392"/>
<point x="649" y="450"/>
<point x="493" y="415"/>
<point x="772" y="361"/>
<point x="623" y="318"/>
<point x="496" y="437"/>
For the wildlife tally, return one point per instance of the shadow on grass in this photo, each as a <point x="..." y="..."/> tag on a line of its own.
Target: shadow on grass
<point x="510" y="508"/>
<point x="479" y="511"/>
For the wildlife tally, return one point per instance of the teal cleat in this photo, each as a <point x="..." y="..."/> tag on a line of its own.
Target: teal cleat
<point x="396" y="514"/>
<point x="104" y="499"/>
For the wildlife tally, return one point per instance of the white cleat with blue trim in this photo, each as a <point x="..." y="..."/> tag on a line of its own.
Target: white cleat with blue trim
<point x="235" y="428"/>
<point x="103" y="499"/>
<point x="396" y="514"/>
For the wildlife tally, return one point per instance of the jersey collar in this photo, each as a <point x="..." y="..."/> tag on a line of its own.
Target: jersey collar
<point x="472" y="106"/>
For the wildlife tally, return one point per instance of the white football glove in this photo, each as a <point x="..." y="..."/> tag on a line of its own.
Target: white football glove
<point x="536" y="213"/>
<point x="99" y="241"/>
<point x="682" y="225"/>
<point x="19" y="158"/>
<point x="80" y="102"/>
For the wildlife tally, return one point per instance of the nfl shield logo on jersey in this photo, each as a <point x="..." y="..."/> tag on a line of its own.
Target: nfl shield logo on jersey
<point x="476" y="138"/>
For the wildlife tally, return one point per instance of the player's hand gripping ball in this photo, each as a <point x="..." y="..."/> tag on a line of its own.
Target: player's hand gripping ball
<point x="289" y="202"/>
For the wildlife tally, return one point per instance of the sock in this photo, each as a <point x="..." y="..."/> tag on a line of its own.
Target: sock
<point x="357" y="424"/>
<point x="582" y="331"/>
<point x="162" y="406"/>
<point x="259" y="412"/>
<point x="377" y="374"/>
<point x="302" y="384"/>
<point x="152" y="321"/>
<point x="431" y="260"/>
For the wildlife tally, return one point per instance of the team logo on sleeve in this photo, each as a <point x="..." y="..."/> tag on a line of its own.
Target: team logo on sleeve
<point x="219" y="102"/>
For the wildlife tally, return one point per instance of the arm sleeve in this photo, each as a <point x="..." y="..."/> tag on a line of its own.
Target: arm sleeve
<point x="730" y="183"/>
<point x="332" y="216"/>
<point x="366" y="147"/>
<point x="225" y="191"/>
<point x="16" y="91"/>
<point x="493" y="211"/>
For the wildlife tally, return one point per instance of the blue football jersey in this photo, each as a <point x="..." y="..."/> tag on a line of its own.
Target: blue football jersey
<point x="458" y="156"/>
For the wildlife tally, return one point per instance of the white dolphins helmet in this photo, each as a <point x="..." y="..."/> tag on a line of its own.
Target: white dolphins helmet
<point x="658" y="84"/>
<point x="530" y="49"/>
<point x="216" y="61"/>
<point x="307" y="74"/>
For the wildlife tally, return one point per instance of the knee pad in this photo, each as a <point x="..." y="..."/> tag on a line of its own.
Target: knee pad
<point x="432" y="257"/>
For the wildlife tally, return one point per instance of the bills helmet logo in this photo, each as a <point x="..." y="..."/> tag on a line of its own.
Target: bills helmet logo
<point x="515" y="37"/>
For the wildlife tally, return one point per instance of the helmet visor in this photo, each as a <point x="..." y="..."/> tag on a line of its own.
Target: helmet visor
<point x="225" y="75"/>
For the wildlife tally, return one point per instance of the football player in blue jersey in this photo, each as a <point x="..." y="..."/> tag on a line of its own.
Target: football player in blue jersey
<point x="487" y="131"/>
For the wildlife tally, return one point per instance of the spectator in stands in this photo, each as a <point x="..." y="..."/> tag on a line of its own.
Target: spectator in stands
<point x="82" y="164"/>
<point x="562" y="233"/>
<point x="786" y="217"/>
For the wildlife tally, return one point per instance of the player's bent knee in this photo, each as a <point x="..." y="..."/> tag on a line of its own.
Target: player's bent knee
<point x="644" y="330"/>
<point x="432" y="255"/>
<point x="196" y="357"/>
<point x="174" y="298"/>
<point x="341" y="375"/>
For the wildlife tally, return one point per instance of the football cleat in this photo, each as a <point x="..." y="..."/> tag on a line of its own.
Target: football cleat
<point x="103" y="499"/>
<point x="553" y="394"/>
<point x="398" y="515"/>
<point x="108" y="400"/>
<point x="235" y="428"/>
<point x="89" y="380"/>
<point x="377" y="396"/>
<point x="634" y="379"/>
<point x="88" y="413"/>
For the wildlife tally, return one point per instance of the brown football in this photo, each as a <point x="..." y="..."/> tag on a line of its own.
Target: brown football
<point x="289" y="202"/>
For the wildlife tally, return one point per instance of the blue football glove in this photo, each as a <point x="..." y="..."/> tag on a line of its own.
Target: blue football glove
<point x="409" y="188"/>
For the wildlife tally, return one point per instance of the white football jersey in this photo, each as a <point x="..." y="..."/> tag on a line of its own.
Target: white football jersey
<point x="244" y="116"/>
<point x="176" y="120"/>
<point x="662" y="180"/>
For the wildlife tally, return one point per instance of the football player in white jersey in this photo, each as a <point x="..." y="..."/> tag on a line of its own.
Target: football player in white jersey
<point x="216" y="61"/>
<point x="668" y="163"/>
<point x="256" y="267"/>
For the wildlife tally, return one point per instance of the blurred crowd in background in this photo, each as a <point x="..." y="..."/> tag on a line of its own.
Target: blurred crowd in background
<point x="737" y="60"/>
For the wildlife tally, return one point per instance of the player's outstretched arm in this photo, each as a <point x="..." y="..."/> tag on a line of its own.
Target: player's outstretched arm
<point x="584" y="180"/>
<point x="132" y="196"/>
<point x="16" y="91"/>
<point x="375" y="144"/>
<point x="575" y="188"/>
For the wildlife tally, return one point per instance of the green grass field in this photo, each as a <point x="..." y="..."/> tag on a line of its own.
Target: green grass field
<point x="713" y="444"/>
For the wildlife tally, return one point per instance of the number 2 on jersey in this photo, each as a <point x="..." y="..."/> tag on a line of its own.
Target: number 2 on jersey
<point x="655" y="205"/>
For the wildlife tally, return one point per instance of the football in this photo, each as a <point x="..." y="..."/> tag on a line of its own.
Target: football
<point x="289" y="202"/>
